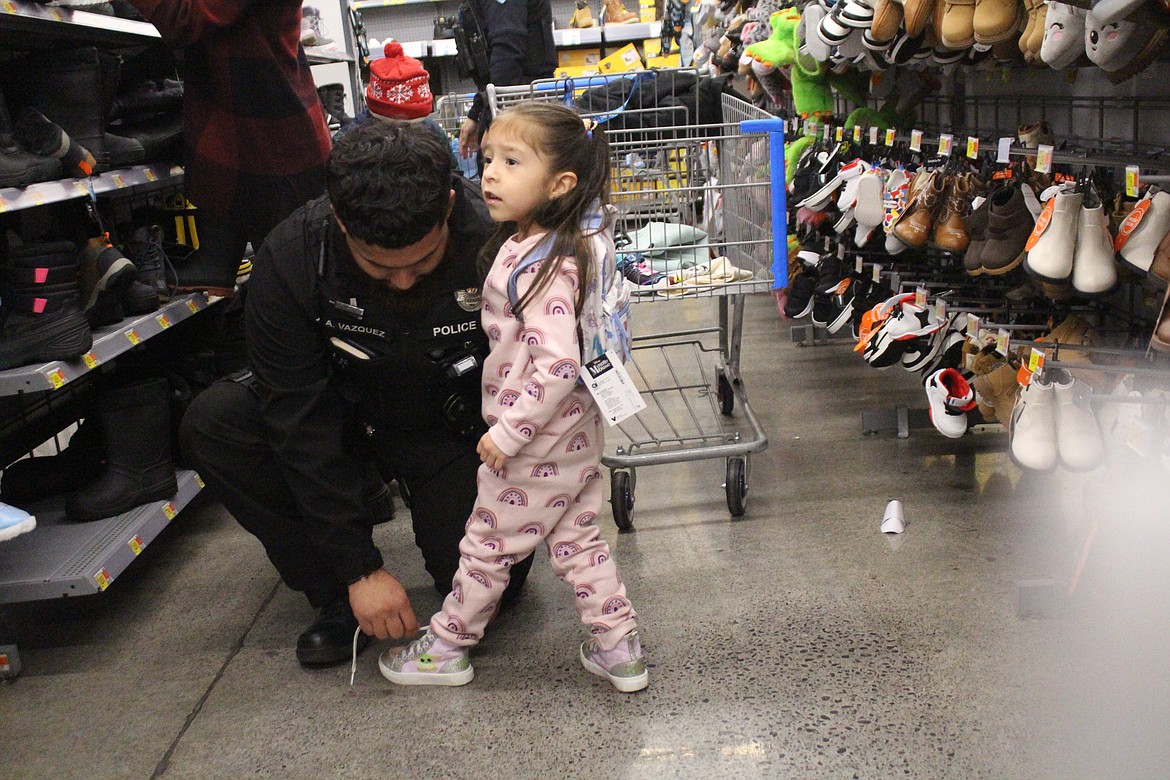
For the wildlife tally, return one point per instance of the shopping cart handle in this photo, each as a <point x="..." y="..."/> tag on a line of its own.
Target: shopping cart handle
<point x="776" y="125"/>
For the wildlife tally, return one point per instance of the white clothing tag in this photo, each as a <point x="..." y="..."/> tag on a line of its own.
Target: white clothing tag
<point x="978" y="201"/>
<point x="1030" y="200"/>
<point x="1003" y="154"/>
<point x="611" y="387"/>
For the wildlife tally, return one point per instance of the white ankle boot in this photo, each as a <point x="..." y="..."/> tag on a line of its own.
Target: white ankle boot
<point x="1033" y="428"/>
<point x="1051" y="257"/>
<point x="1094" y="269"/>
<point x="1078" y="440"/>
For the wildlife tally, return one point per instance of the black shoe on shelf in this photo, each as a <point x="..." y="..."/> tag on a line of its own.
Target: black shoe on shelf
<point x="328" y="640"/>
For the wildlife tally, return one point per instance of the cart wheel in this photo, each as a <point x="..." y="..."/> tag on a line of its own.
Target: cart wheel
<point x="736" y="486"/>
<point x="725" y="394"/>
<point x="622" y="500"/>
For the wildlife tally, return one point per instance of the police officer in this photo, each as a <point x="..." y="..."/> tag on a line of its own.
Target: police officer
<point x="520" y="50"/>
<point x="365" y="354"/>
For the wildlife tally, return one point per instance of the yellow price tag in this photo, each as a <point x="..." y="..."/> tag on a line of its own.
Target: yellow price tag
<point x="199" y="481"/>
<point x="920" y="297"/>
<point x="37" y="197"/>
<point x="1132" y="180"/>
<point x="1001" y="341"/>
<point x="945" y="142"/>
<point x="56" y="15"/>
<point x="916" y="140"/>
<point x="150" y="174"/>
<point x="1035" y="360"/>
<point x="102" y="578"/>
<point x="169" y="510"/>
<point x="873" y="133"/>
<point x="56" y="378"/>
<point x="90" y="360"/>
<point x="1044" y="158"/>
<point x="194" y="307"/>
<point x="164" y="321"/>
<point x="857" y="134"/>
<point x="3" y="205"/>
<point x="133" y="337"/>
<point x="7" y="7"/>
<point x="136" y="544"/>
<point x="890" y="136"/>
<point x="119" y="182"/>
<point x="840" y="134"/>
<point x="972" y="147"/>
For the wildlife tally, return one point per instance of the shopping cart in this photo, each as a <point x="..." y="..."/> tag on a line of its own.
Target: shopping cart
<point x="668" y="178"/>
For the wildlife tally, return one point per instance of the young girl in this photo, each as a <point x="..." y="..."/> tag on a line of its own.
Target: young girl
<point x="545" y="171"/>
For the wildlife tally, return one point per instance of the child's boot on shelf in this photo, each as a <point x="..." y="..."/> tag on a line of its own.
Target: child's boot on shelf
<point x="582" y="17"/>
<point x="42" y="319"/>
<point x="613" y="12"/>
<point x="136" y="423"/>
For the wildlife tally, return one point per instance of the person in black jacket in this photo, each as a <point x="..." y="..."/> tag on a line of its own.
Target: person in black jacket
<point x="365" y="356"/>
<point x="520" y="50"/>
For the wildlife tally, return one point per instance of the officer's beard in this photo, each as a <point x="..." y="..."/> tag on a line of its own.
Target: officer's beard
<point x="416" y="301"/>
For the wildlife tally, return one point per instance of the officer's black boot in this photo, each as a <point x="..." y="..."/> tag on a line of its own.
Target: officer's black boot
<point x="136" y="423"/>
<point x="42" y="320"/>
<point x="329" y="639"/>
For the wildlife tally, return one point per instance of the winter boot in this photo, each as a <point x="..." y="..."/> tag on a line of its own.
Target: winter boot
<point x="582" y="17"/>
<point x="104" y="275"/>
<point x="78" y="465"/>
<point x="614" y="12"/>
<point x="333" y="101"/>
<point x="139" y="298"/>
<point x="20" y="167"/>
<point x="74" y="88"/>
<point x="40" y="136"/>
<point x="42" y="321"/>
<point x="146" y="250"/>
<point x="136" y="422"/>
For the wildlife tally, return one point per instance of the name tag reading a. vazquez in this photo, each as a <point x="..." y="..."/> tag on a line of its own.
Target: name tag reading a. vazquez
<point x="611" y="387"/>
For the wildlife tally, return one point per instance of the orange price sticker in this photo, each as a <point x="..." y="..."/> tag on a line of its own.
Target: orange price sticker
<point x="164" y="321"/>
<point x="133" y="337"/>
<point x="118" y="180"/>
<point x="972" y="147"/>
<point x="890" y="135"/>
<point x="150" y="174"/>
<point x="916" y="140"/>
<point x="56" y="15"/>
<point x="1001" y="341"/>
<point x="945" y="142"/>
<point x="90" y="360"/>
<point x="37" y="197"/>
<point x="857" y="134"/>
<point x="1041" y="223"/>
<point x="169" y="510"/>
<point x="839" y="134"/>
<point x="920" y="297"/>
<point x="1132" y="180"/>
<point x="5" y="664"/>
<point x="56" y="378"/>
<point x="3" y="205"/>
<point x="136" y="544"/>
<point x="7" y="7"/>
<point x="102" y="578"/>
<point x="199" y="481"/>
<point x="194" y="307"/>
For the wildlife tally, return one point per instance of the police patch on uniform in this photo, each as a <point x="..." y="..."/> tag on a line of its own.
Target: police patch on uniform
<point x="470" y="299"/>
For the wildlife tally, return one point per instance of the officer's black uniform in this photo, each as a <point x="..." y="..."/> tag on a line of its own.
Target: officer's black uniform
<point x="520" y="44"/>
<point x="335" y="355"/>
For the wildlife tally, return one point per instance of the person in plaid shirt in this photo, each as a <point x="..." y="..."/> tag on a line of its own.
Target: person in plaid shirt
<point x="255" y="132"/>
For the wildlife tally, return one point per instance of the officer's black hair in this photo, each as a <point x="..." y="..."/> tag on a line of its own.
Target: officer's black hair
<point x="390" y="182"/>
<point x="567" y="142"/>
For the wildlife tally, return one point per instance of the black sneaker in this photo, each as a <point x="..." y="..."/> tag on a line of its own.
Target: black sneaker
<point x="800" y="294"/>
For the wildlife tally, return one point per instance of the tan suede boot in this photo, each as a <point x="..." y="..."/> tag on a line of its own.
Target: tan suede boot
<point x="997" y="20"/>
<point x="950" y="232"/>
<point x="958" y="24"/>
<point x="582" y="17"/>
<point x="615" y="13"/>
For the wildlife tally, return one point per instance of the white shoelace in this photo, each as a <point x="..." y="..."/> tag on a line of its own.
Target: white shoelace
<point x="353" y="661"/>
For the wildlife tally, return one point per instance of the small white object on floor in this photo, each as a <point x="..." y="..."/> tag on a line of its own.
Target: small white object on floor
<point x="893" y="520"/>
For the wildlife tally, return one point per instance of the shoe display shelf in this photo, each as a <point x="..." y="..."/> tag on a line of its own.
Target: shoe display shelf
<point x="139" y="178"/>
<point x="26" y="25"/>
<point x="61" y="559"/>
<point x="325" y="55"/>
<point x="108" y="343"/>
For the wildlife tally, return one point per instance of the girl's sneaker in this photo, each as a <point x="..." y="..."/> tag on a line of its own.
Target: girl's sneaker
<point x="624" y="666"/>
<point x="429" y="660"/>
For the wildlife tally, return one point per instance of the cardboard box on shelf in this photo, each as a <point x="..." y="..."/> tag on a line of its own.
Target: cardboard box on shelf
<point x="576" y="71"/>
<point x="669" y="61"/>
<point x="577" y="57"/>
<point x="624" y="59"/>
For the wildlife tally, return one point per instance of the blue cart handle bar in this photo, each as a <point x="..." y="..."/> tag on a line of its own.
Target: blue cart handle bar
<point x="775" y="130"/>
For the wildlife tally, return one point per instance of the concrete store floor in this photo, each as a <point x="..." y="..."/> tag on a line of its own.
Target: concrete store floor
<point x="796" y="642"/>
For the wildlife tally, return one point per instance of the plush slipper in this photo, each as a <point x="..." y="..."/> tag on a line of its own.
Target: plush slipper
<point x="1064" y="35"/>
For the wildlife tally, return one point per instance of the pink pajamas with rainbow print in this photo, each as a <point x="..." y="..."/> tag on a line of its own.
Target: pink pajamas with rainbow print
<point x="550" y="489"/>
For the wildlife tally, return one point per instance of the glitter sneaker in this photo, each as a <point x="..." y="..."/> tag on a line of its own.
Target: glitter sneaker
<point x="428" y="660"/>
<point x="624" y="666"/>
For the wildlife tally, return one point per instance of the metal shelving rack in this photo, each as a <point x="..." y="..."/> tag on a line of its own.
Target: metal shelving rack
<point x="60" y="559"/>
